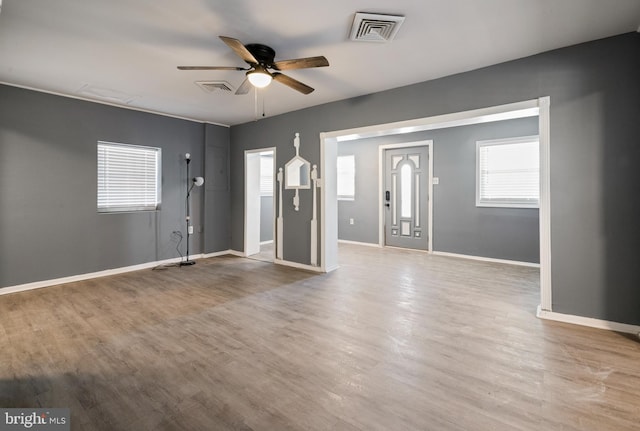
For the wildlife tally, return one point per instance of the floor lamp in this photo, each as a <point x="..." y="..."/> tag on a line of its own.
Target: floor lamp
<point x="191" y="183"/>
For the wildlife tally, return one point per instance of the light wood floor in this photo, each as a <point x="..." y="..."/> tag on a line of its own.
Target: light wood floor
<point x="266" y="254"/>
<point x="393" y="340"/>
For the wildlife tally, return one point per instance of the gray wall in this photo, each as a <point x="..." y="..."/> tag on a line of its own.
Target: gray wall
<point x="217" y="189"/>
<point x="364" y="208"/>
<point x="281" y="136"/>
<point x="458" y="226"/>
<point x="595" y="128"/>
<point x="48" y="220"/>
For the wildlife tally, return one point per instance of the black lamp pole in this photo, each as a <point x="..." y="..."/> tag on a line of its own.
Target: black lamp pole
<point x="188" y="218"/>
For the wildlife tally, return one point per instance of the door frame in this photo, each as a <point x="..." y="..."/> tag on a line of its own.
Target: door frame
<point x="539" y="107"/>
<point x="382" y="173"/>
<point x="250" y="194"/>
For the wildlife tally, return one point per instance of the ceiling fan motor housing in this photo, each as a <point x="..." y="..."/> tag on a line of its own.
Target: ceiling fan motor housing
<point x="264" y="54"/>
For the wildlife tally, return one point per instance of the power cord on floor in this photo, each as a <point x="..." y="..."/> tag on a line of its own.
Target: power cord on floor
<point x="175" y="234"/>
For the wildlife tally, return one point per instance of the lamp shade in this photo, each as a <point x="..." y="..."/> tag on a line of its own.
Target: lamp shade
<point x="259" y="77"/>
<point x="198" y="181"/>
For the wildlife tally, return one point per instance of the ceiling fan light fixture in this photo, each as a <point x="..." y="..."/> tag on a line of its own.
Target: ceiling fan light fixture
<point x="259" y="77"/>
<point x="260" y="59"/>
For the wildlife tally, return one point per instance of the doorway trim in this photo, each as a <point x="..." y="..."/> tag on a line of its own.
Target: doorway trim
<point x="248" y="194"/>
<point x="381" y="150"/>
<point x="328" y="152"/>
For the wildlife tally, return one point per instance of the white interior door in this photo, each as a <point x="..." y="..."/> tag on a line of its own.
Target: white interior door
<point x="406" y="197"/>
<point x="252" y="203"/>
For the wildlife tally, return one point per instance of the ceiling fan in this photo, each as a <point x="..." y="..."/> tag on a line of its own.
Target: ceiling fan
<point x="260" y="59"/>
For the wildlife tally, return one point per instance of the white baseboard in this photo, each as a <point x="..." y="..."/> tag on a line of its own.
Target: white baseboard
<point x="107" y="272"/>
<point x="81" y="277"/>
<point x="331" y="268"/>
<point x="486" y="259"/>
<point x="298" y="265"/>
<point x="366" y="244"/>
<point x="216" y="254"/>
<point x="588" y="321"/>
<point x="283" y="262"/>
<point x="266" y="242"/>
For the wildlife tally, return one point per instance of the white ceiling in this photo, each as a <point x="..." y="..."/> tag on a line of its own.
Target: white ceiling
<point x="126" y="51"/>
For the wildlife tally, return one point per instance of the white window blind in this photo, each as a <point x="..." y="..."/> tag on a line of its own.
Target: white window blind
<point x="346" y="177"/>
<point x="128" y="177"/>
<point x="266" y="175"/>
<point x="508" y="173"/>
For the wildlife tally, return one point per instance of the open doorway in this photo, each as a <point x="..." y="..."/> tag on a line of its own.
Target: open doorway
<point x="259" y="226"/>
<point x="329" y="150"/>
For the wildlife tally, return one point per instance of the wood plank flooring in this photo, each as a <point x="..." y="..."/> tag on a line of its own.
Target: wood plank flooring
<point x="392" y="340"/>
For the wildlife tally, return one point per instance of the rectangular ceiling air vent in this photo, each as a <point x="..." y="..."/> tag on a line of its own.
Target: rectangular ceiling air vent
<point x="211" y="86"/>
<point x="369" y="27"/>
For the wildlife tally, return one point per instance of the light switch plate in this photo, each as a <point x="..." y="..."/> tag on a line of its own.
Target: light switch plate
<point x="436" y="180"/>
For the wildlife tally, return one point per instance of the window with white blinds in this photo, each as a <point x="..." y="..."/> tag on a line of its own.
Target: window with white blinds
<point x="266" y="174"/>
<point x="346" y="178"/>
<point x="508" y="172"/>
<point x="128" y="177"/>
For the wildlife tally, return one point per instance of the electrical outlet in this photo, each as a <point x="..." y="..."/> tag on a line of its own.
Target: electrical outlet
<point x="350" y="221"/>
<point x="190" y="230"/>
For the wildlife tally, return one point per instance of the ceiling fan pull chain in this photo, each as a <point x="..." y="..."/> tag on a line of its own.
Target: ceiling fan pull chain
<point x="255" y="99"/>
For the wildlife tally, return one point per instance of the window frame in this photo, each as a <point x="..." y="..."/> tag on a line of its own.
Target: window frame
<point x="267" y="181"/>
<point x="344" y="197"/>
<point x="505" y="203"/>
<point x="139" y="206"/>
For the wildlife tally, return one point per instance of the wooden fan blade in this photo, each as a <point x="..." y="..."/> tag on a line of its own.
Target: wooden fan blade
<point x="211" y="68"/>
<point x="292" y="83"/>
<point x="239" y="49"/>
<point x="301" y="63"/>
<point x="244" y="87"/>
